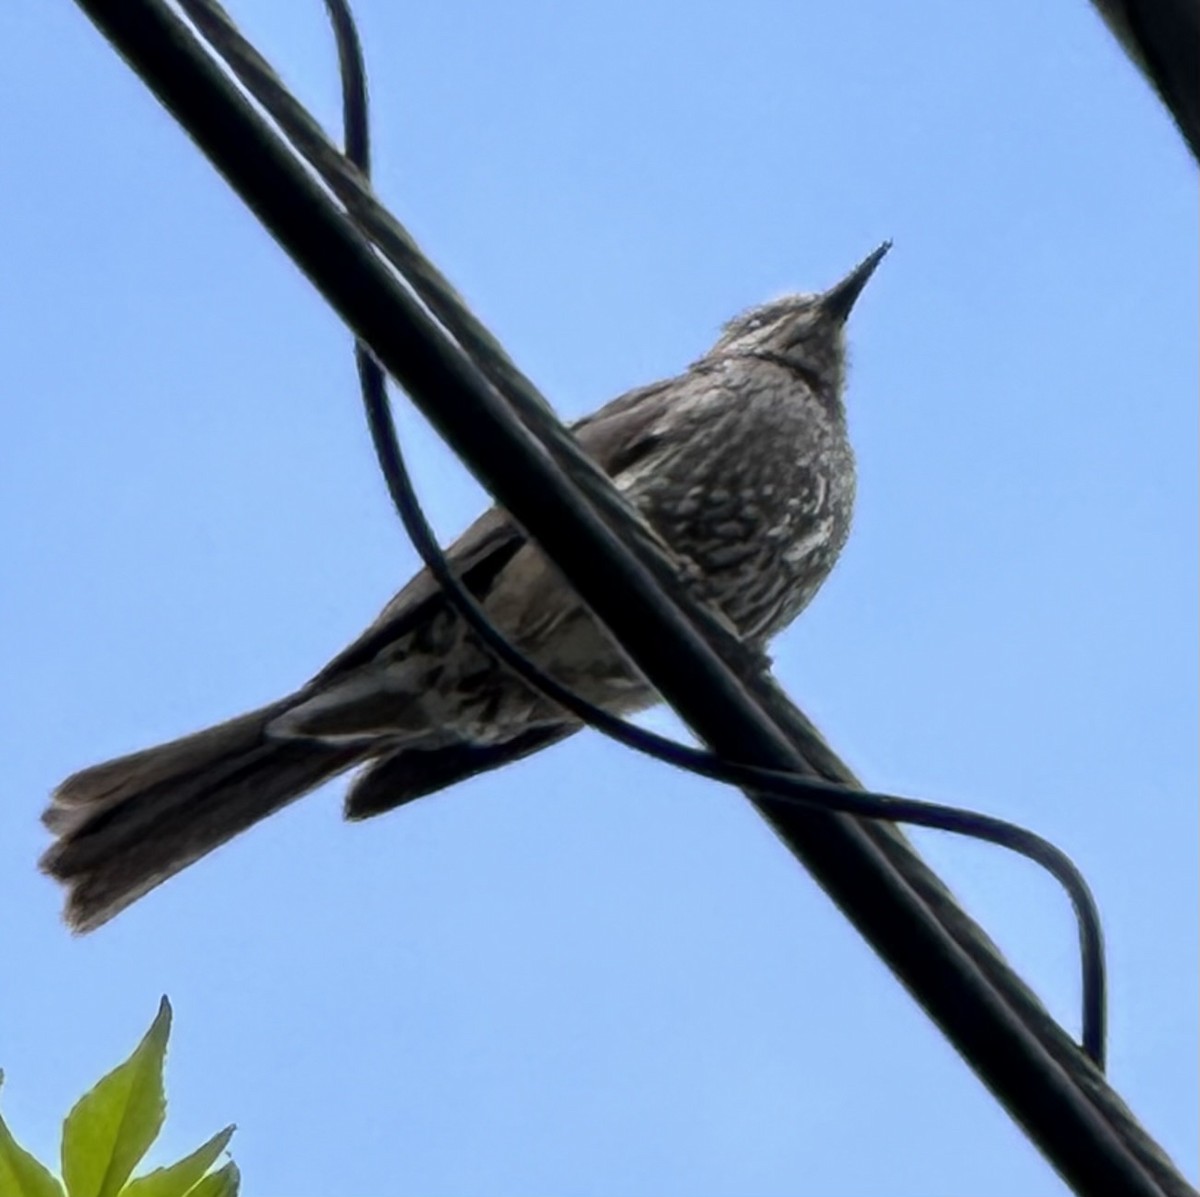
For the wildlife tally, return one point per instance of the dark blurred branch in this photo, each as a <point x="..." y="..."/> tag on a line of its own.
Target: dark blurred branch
<point x="1162" y="37"/>
<point x="535" y="470"/>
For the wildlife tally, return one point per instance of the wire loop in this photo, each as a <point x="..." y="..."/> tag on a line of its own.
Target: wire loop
<point x="770" y="784"/>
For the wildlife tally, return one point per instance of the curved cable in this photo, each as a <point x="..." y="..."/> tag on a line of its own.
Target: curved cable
<point x="771" y="784"/>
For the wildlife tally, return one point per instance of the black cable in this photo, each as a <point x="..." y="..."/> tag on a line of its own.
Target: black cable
<point x="771" y="784"/>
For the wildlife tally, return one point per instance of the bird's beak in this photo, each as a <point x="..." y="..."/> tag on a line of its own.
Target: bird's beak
<point x="840" y="298"/>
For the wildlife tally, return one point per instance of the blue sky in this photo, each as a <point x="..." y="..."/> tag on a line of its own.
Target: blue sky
<point x="588" y="975"/>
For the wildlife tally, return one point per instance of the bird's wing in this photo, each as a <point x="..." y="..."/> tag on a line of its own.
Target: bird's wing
<point x="623" y="432"/>
<point x="615" y="437"/>
<point x="477" y="556"/>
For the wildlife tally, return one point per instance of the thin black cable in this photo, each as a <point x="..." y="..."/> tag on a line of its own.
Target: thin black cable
<point x="772" y="784"/>
<point x="434" y="290"/>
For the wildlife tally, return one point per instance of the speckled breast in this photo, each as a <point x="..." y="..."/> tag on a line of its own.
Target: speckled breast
<point x="761" y="500"/>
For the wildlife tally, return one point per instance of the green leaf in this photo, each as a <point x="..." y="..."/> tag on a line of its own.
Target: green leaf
<point x="112" y="1126"/>
<point x="224" y="1183"/>
<point x="180" y="1178"/>
<point x="20" y="1174"/>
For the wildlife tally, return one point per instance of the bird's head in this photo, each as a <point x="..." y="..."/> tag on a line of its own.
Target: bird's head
<point x="803" y="332"/>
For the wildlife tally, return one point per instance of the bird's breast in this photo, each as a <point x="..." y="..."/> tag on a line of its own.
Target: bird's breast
<point x="763" y="512"/>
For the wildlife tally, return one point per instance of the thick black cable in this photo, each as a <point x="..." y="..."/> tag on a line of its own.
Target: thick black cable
<point x="898" y="904"/>
<point x="433" y="288"/>
<point x="773" y="784"/>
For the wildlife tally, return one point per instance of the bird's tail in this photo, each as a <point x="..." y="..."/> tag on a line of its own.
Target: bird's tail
<point x="125" y="826"/>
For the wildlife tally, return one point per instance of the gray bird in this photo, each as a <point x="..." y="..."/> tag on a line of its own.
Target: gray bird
<point x="742" y="464"/>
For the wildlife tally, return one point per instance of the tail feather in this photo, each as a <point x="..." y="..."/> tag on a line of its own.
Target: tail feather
<point x="125" y="826"/>
<point x="414" y="771"/>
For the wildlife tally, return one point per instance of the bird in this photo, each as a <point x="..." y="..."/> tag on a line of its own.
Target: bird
<point x="742" y="464"/>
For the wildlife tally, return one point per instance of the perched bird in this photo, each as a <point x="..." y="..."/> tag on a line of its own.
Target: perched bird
<point x="742" y="464"/>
